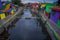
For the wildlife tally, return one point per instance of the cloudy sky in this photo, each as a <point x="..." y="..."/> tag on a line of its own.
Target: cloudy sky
<point x="27" y="1"/>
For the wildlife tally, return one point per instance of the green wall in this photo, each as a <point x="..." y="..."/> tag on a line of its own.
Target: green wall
<point x="49" y="6"/>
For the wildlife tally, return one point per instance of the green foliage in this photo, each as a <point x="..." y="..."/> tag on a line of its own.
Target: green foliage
<point x="18" y="2"/>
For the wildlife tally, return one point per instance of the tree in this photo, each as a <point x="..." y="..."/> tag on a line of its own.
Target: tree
<point x="58" y="1"/>
<point x="17" y="2"/>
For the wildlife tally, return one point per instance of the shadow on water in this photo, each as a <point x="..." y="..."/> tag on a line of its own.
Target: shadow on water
<point x="4" y="36"/>
<point x="27" y="28"/>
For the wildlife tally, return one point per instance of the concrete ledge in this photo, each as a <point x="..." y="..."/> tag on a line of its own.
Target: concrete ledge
<point x="52" y="28"/>
<point x="4" y="23"/>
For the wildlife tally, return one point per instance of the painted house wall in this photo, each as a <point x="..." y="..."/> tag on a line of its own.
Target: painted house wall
<point x="48" y="6"/>
<point x="0" y="5"/>
<point x="54" y="16"/>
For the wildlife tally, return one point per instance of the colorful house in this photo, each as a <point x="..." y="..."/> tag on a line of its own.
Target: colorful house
<point x="7" y="6"/>
<point x="35" y="6"/>
<point x="2" y="15"/>
<point x="48" y="8"/>
<point x="55" y="15"/>
<point x="0" y="5"/>
<point x="42" y="7"/>
<point x="4" y="6"/>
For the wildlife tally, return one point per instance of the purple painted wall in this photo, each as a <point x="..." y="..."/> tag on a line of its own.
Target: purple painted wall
<point x="54" y="17"/>
<point x="0" y="5"/>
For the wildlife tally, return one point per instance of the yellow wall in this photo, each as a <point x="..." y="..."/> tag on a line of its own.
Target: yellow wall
<point x="2" y="16"/>
<point x="43" y="5"/>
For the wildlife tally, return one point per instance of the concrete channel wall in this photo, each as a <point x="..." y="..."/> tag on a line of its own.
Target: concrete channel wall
<point x="51" y="28"/>
<point x="4" y="24"/>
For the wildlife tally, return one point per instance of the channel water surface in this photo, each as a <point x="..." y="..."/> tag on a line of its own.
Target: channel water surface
<point x="27" y="28"/>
